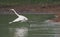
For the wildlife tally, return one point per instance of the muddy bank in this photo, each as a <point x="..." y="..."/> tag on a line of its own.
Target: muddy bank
<point x="55" y="9"/>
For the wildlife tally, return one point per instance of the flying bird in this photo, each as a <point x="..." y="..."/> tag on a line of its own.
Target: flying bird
<point x="20" y="18"/>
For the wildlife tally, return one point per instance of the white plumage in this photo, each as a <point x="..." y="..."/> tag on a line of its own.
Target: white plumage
<point x="20" y="18"/>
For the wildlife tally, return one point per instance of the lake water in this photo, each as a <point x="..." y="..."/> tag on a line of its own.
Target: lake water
<point x="37" y="27"/>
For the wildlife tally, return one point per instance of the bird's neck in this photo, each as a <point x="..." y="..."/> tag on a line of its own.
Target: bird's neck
<point x="14" y="11"/>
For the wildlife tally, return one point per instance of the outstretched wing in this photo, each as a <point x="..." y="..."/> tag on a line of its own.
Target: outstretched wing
<point x="16" y="20"/>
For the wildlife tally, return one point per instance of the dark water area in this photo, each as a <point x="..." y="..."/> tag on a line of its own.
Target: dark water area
<point x="37" y="27"/>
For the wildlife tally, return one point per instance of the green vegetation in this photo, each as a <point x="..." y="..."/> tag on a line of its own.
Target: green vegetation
<point x="22" y="2"/>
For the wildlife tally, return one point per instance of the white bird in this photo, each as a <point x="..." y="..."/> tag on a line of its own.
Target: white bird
<point x="20" y="18"/>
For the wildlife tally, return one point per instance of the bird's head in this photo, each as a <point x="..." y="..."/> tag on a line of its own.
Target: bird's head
<point x="12" y="9"/>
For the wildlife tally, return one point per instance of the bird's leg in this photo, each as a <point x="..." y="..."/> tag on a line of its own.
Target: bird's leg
<point x="28" y="24"/>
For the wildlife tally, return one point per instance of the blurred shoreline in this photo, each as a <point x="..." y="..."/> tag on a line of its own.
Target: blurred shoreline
<point x="49" y="9"/>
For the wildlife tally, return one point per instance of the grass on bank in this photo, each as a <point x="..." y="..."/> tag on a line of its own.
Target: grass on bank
<point x="22" y="2"/>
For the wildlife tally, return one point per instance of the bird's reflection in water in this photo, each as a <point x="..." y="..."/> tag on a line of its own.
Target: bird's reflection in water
<point x="19" y="32"/>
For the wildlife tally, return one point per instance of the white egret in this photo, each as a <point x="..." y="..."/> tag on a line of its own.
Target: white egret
<point x="20" y="18"/>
